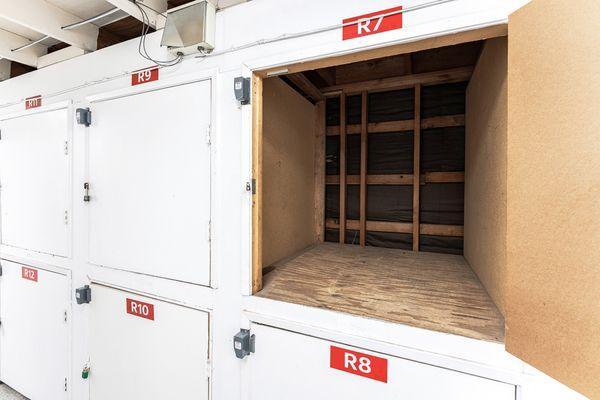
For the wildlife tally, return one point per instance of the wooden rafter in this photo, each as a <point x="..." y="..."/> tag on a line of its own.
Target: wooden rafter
<point x="48" y="19"/>
<point x="403" y="82"/>
<point x="306" y="86"/>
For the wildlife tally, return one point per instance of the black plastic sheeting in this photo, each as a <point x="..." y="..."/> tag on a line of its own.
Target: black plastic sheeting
<point x="332" y="201"/>
<point x="377" y="239"/>
<point x="446" y="99"/>
<point x="441" y="244"/>
<point x="388" y="153"/>
<point x="332" y="155"/>
<point x="443" y="149"/>
<point x="394" y="105"/>
<point x="384" y="202"/>
<point x="442" y="203"/>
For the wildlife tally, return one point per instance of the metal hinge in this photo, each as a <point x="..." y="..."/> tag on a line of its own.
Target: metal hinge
<point x="86" y="191"/>
<point x="208" y="369"/>
<point x="65" y="384"/>
<point x="66" y="217"/>
<point x="208" y="133"/>
<point x="66" y="148"/>
<point x="65" y="316"/>
<point x="251" y="186"/>
<point x="209" y="231"/>
<point x="0" y="269"/>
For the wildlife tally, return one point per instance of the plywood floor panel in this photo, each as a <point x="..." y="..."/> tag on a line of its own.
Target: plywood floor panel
<point x="439" y="292"/>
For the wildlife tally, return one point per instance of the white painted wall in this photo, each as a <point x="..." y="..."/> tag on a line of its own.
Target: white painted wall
<point x="227" y="299"/>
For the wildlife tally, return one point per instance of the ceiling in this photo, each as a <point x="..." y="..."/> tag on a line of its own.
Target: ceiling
<point x="25" y="22"/>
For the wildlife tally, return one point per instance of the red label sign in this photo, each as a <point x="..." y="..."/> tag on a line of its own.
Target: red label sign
<point x="29" y="273"/>
<point x="360" y="364"/>
<point x="370" y="24"/>
<point x="144" y="76"/>
<point x="33" y="102"/>
<point x="140" y="309"/>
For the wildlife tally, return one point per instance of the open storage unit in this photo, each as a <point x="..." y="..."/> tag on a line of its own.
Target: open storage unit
<point x="365" y="181"/>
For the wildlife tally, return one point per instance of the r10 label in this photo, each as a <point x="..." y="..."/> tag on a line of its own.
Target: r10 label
<point x="144" y="76"/>
<point x="140" y="309"/>
<point x="361" y="364"/>
<point x="29" y="273"/>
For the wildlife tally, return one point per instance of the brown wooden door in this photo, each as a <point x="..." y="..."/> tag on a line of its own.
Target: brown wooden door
<point x="553" y="190"/>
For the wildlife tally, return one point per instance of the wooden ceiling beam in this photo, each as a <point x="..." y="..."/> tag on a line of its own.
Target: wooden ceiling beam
<point x="304" y="84"/>
<point x="28" y="56"/>
<point x="48" y="20"/>
<point x="153" y="9"/>
<point x="402" y="82"/>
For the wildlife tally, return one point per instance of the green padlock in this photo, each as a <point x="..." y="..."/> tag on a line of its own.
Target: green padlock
<point x="85" y="372"/>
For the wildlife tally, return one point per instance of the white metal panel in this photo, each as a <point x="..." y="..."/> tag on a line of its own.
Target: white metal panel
<point x="150" y="186"/>
<point x="297" y="366"/>
<point x="152" y="359"/>
<point x="34" y="335"/>
<point x="35" y="181"/>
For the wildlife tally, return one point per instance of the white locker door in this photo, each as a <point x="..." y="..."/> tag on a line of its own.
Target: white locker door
<point x="34" y="335"/>
<point x="149" y="175"/>
<point x="143" y="348"/>
<point x="34" y="179"/>
<point x="292" y="366"/>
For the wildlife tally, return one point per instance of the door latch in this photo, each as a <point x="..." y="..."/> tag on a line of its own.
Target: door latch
<point x="243" y="343"/>
<point x="83" y="294"/>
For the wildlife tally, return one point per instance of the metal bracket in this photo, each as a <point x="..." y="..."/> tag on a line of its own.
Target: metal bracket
<point x="83" y="294"/>
<point x="83" y="116"/>
<point x="243" y="343"/>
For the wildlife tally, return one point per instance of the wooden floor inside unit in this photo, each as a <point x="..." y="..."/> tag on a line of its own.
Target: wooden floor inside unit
<point x="439" y="292"/>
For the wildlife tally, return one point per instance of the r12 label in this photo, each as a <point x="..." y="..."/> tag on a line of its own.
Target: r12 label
<point x="140" y="309"/>
<point x="144" y="76"/>
<point x="29" y="273"/>
<point x="361" y="364"/>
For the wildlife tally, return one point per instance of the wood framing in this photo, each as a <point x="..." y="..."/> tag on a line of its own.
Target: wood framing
<point x="401" y="126"/>
<point x="399" y="227"/>
<point x="363" y="169"/>
<point x="416" y="169"/>
<point x="399" y="179"/>
<point x="342" y="225"/>
<point x="257" y="137"/>
<point x="304" y="84"/>
<point x="403" y="82"/>
<point x="320" y="171"/>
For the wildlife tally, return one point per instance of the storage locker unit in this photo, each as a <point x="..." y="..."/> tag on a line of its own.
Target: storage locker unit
<point x="35" y="331"/>
<point x="316" y="368"/>
<point x="35" y="179"/>
<point x="145" y="348"/>
<point x="150" y="181"/>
